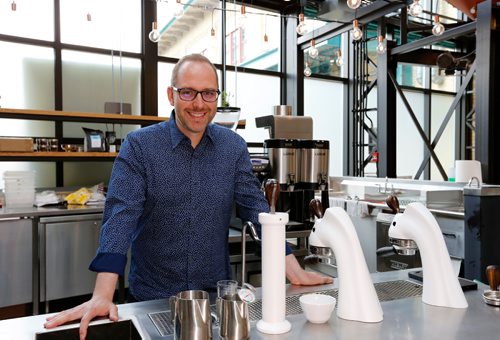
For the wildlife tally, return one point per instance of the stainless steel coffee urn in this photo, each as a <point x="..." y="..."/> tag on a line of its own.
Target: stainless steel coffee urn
<point x="283" y="157"/>
<point x="314" y="159"/>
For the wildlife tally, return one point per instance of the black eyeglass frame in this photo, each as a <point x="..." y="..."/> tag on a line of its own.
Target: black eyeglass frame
<point x="196" y="94"/>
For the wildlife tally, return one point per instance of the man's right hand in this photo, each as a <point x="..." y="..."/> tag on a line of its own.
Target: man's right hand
<point x="85" y="312"/>
<point x="101" y="304"/>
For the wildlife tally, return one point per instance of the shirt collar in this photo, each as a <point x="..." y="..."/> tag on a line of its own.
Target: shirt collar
<point x="177" y="136"/>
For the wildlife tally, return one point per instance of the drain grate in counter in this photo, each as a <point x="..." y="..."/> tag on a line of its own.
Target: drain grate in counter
<point x="162" y="322"/>
<point x="386" y="291"/>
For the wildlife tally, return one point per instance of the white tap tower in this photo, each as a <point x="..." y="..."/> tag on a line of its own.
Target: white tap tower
<point x="273" y="274"/>
<point x="357" y="299"/>
<point x="441" y="285"/>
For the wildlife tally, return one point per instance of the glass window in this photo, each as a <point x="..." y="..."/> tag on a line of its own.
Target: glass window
<point x="164" y="76"/>
<point x="28" y="18"/>
<point x="327" y="119"/>
<point x="411" y="75"/>
<point x="327" y="62"/>
<point x="254" y="102"/>
<point x="187" y="28"/>
<point x="27" y="76"/>
<point x="90" y="80"/>
<point x="409" y="146"/>
<point x="111" y="24"/>
<point x="445" y="148"/>
<point x="252" y="37"/>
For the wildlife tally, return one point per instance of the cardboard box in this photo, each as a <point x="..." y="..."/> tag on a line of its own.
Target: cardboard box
<point x="14" y="144"/>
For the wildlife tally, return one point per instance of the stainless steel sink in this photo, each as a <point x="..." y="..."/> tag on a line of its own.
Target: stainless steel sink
<point x="122" y="330"/>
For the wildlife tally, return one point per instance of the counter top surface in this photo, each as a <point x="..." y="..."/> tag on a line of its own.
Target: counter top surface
<point x="406" y="318"/>
<point x="50" y="211"/>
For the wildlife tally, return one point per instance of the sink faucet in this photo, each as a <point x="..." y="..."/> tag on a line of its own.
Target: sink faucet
<point x="357" y="298"/>
<point x="253" y="233"/>
<point x="441" y="285"/>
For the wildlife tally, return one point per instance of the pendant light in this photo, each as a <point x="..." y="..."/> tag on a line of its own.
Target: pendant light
<point x="381" y="47"/>
<point x="307" y="70"/>
<point x="212" y="30"/>
<point x="415" y="8"/>
<point x="154" y="35"/>
<point x="438" y="27"/>
<point x="353" y="4"/>
<point x="339" y="61"/>
<point x="266" y="38"/>
<point x="313" y="51"/>
<point x="301" y="27"/>
<point x="356" y="32"/>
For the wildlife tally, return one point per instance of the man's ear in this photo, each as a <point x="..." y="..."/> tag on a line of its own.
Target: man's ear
<point x="170" y="93"/>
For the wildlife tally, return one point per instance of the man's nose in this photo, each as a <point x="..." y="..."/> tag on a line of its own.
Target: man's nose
<point x="198" y="100"/>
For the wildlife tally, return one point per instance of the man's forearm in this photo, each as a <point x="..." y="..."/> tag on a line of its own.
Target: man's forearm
<point x="105" y="285"/>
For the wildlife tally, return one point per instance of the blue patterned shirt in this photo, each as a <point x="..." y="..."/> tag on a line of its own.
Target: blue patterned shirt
<point x="172" y="204"/>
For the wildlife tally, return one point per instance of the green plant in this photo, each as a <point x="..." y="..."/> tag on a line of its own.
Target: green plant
<point x="225" y="99"/>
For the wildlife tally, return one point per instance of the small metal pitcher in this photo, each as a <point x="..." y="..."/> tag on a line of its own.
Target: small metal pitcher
<point x="190" y="311"/>
<point x="233" y="318"/>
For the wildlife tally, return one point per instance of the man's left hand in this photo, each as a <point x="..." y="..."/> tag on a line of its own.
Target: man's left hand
<point x="298" y="276"/>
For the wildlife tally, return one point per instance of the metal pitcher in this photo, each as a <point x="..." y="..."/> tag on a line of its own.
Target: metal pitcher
<point x="190" y="311"/>
<point x="233" y="318"/>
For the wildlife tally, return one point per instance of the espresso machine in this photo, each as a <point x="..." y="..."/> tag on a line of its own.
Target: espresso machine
<point x="297" y="162"/>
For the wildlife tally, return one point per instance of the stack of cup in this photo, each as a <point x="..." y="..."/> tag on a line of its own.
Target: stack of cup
<point x="19" y="189"/>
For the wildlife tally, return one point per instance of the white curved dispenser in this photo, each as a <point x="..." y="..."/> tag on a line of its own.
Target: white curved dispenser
<point x="441" y="285"/>
<point x="357" y="298"/>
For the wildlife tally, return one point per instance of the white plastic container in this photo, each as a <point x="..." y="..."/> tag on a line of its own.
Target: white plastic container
<point x="19" y="189"/>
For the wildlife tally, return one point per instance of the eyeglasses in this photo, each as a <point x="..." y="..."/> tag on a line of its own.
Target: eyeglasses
<point x="188" y="94"/>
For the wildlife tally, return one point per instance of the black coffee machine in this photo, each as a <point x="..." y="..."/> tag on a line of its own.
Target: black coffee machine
<point x="301" y="168"/>
<point x="297" y="162"/>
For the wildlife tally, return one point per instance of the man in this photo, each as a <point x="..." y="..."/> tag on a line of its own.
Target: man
<point x="170" y="197"/>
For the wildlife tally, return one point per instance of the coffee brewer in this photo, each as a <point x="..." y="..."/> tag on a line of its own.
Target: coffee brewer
<point x="297" y="162"/>
<point x="301" y="168"/>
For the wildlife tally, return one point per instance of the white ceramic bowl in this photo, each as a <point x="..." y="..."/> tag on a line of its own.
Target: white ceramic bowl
<point x="317" y="307"/>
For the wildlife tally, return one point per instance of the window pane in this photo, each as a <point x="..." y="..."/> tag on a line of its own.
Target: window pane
<point x="27" y="77"/>
<point x="327" y="62"/>
<point x="327" y="119"/>
<point x="246" y="36"/>
<point x="409" y="146"/>
<point x="164" y="73"/>
<point x="90" y="80"/>
<point x="110" y="24"/>
<point x="445" y="148"/>
<point x="189" y="31"/>
<point x="21" y="22"/>
<point x="411" y="75"/>
<point x="254" y="102"/>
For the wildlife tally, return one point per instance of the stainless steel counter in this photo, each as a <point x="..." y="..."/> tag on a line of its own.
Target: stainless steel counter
<point x="38" y="236"/>
<point x="50" y="211"/>
<point x="405" y="318"/>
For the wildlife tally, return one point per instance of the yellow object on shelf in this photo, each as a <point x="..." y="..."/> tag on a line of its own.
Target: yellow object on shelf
<point x="81" y="196"/>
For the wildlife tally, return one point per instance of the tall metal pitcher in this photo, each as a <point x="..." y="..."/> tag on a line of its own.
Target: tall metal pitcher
<point x="190" y="311"/>
<point x="233" y="318"/>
